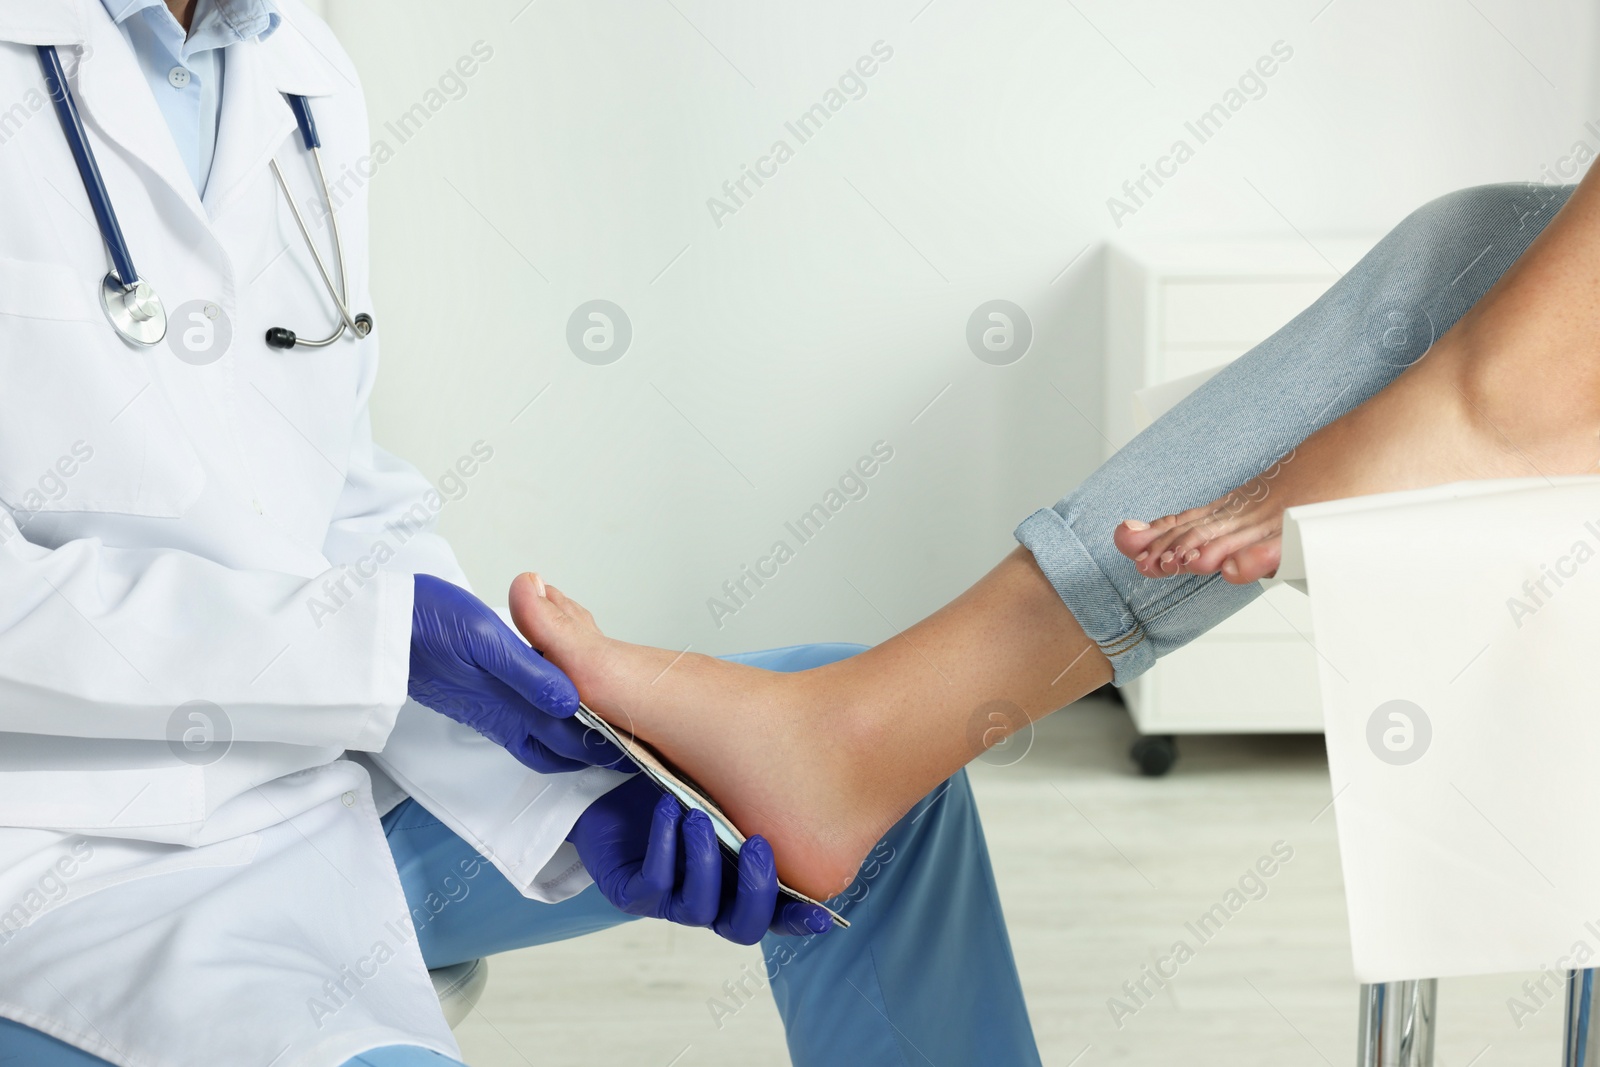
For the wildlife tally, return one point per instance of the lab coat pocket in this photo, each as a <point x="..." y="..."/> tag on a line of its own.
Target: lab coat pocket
<point x="84" y="422"/>
<point x="43" y="291"/>
<point x="45" y="871"/>
<point x="136" y="860"/>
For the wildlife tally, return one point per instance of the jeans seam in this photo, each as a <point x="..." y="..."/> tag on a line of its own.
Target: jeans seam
<point x="1187" y="591"/>
<point x="1137" y="635"/>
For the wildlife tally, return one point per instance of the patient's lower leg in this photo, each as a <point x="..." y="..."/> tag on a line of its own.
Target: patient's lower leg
<point x="822" y="762"/>
<point x="1512" y="390"/>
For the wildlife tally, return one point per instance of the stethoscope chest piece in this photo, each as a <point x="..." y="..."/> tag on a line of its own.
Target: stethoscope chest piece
<point x="135" y="311"/>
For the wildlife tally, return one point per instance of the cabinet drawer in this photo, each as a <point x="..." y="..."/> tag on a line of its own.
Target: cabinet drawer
<point x="1280" y="612"/>
<point x="1230" y="686"/>
<point x="1174" y="363"/>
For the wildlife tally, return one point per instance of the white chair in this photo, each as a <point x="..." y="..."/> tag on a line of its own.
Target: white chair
<point x="1454" y="629"/>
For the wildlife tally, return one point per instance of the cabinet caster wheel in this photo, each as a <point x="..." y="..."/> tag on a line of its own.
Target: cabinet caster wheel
<point x="1155" y="755"/>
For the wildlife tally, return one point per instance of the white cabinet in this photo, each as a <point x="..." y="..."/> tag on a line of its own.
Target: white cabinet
<point x="1179" y="309"/>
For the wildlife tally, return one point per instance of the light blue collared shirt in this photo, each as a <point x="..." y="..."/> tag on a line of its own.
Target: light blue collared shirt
<point x="185" y="73"/>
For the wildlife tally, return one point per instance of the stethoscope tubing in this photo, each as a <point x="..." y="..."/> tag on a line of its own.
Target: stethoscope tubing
<point x="55" y="78"/>
<point x="341" y="294"/>
<point x="117" y="246"/>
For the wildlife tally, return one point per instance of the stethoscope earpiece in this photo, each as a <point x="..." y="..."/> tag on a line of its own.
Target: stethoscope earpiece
<point x="279" y="337"/>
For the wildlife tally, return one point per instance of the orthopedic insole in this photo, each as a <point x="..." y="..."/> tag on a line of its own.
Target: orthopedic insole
<point x="690" y="795"/>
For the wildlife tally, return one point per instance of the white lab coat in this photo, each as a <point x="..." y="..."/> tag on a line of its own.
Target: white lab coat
<point x="164" y="532"/>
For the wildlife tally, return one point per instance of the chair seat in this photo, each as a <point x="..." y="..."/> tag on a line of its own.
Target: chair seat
<point x="459" y="988"/>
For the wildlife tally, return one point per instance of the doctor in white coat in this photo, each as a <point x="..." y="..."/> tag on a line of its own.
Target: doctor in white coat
<point x="214" y="602"/>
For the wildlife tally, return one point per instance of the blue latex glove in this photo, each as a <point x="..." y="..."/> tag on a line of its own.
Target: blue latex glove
<point x="469" y="665"/>
<point x="650" y="858"/>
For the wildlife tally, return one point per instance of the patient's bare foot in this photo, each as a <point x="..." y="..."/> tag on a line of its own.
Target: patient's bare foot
<point x="785" y="755"/>
<point x="1512" y="390"/>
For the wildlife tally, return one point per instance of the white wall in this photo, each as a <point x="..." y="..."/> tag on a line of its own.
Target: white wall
<point x="830" y="310"/>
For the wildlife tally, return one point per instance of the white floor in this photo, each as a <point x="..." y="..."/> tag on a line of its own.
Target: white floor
<point x="1099" y="870"/>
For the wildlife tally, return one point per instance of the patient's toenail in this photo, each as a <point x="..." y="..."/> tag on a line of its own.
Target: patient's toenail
<point x="1135" y="525"/>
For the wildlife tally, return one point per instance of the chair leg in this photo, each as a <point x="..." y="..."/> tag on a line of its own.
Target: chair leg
<point x="1581" y="1047"/>
<point x="1397" y="1020"/>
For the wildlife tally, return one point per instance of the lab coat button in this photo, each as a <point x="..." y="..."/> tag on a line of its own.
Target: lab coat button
<point x="178" y="77"/>
<point x="349" y="800"/>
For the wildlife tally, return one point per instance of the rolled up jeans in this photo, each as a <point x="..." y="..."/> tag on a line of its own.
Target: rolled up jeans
<point x="1377" y="320"/>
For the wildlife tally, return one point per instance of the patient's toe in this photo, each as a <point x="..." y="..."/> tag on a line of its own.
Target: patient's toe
<point x="1254" y="561"/>
<point x="550" y="621"/>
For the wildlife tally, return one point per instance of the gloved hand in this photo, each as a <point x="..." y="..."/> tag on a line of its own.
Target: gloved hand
<point x="650" y="858"/>
<point x="469" y="665"/>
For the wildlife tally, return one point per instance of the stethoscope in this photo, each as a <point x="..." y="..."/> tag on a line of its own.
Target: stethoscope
<point x="131" y="303"/>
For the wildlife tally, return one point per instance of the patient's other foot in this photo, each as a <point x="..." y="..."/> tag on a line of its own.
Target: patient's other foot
<point x="783" y="754"/>
<point x="1450" y="418"/>
<point x="1511" y="390"/>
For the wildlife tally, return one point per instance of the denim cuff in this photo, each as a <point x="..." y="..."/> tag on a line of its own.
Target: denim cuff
<point x="1088" y="593"/>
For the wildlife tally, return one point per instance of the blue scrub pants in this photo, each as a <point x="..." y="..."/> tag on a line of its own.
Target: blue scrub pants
<point x="924" y="975"/>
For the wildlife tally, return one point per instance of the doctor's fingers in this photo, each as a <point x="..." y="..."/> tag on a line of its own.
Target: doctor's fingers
<point x="541" y="683"/>
<point x="700" y="897"/>
<point x="755" y="896"/>
<point x="659" y="873"/>
<point x="531" y="735"/>
<point x="575" y="741"/>
<point x="534" y="755"/>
